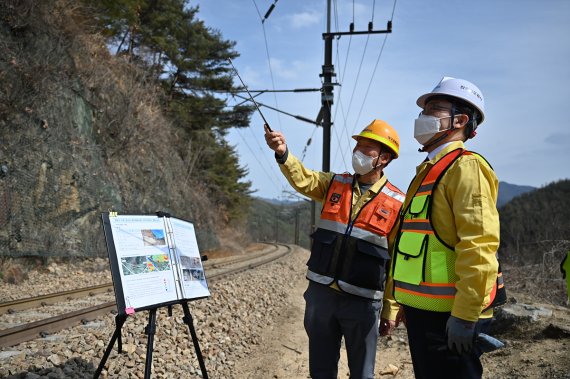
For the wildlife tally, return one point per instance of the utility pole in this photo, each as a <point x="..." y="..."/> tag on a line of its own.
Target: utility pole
<point x="327" y="75"/>
<point x="326" y="104"/>
<point x="296" y="225"/>
<point x="327" y="92"/>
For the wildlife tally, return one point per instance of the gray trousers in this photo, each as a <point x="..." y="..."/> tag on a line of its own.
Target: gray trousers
<point x="330" y="315"/>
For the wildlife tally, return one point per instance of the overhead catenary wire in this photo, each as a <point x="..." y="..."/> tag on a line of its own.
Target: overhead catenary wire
<point x="369" y="84"/>
<point x="355" y="86"/>
<point x="300" y="118"/>
<point x="268" y="61"/>
<point x="355" y="126"/>
<point x="268" y="13"/>
<point x="374" y="71"/>
<point x="345" y="126"/>
<point x="255" y="156"/>
<point x="250" y="96"/>
<point x="304" y="152"/>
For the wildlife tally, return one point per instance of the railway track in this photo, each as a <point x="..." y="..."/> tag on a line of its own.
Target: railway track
<point x="214" y="269"/>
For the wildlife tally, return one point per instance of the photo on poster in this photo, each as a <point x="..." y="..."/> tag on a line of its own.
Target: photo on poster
<point x="145" y="264"/>
<point x="153" y="237"/>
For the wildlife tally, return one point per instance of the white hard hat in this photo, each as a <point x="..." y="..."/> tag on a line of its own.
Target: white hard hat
<point x="458" y="88"/>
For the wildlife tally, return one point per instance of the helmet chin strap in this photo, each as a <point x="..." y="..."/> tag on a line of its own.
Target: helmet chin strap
<point x="377" y="165"/>
<point x="378" y="159"/>
<point x="444" y="135"/>
<point x="438" y="139"/>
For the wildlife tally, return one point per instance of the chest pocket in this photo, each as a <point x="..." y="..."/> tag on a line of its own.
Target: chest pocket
<point x="418" y="207"/>
<point x="382" y="217"/>
<point x="332" y="205"/>
<point x="385" y="215"/>
<point x="368" y="266"/>
<point x="412" y="244"/>
<point x="324" y="242"/>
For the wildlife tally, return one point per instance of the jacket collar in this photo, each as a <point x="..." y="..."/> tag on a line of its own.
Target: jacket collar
<point x="374" y="188"/>
<point x="450" y="147"/>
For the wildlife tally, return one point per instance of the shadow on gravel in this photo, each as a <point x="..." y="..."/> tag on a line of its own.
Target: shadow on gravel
<point x="74" y="368"/>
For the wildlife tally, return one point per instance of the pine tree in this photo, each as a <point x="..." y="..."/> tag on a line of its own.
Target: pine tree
<point x="190" y="61"/>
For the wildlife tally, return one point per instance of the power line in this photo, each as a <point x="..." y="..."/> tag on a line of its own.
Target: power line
<point x="256" y="158"/>
<point x="328" y="73"/>
<point x="268" y="13"/>
<point x="393" y="10"/>
<point x="369" y="83"/>
<point x="300" y="118"/>
<point x="375" y="68"/>
<point x="304" y="152"/>
<point x="268" y="61"/>
<point x="358" y="73"/>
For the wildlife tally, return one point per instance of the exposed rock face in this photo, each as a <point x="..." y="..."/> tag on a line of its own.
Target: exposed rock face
<point x="81" y="132"/>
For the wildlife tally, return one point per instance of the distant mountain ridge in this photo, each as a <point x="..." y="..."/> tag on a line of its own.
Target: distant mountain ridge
<point x="507" y="191"/>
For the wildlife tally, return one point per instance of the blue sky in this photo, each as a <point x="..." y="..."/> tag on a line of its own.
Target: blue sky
<point x="516" y="52"/>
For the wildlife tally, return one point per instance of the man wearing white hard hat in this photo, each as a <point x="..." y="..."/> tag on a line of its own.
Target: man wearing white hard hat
<point x="444" y="270"/>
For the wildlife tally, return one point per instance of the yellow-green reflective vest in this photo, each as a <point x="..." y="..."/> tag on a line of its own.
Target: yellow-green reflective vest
<point x="423" y="266"/>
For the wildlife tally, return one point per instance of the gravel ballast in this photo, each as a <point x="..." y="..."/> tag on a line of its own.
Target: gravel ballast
<point x="229" y="325"/>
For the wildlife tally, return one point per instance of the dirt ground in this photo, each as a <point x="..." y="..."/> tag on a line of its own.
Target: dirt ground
<point x="538" y="350"/>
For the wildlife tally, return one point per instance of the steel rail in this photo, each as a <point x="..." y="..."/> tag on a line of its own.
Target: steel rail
<point x="42" y="328"/>
<point x="52" y="298"/>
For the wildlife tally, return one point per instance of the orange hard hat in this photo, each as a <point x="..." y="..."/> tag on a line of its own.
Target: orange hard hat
<point x="381" y="131"/>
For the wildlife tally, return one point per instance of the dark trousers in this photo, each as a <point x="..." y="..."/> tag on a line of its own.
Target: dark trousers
<point x="428" y="347"/>
<point x="330" y="315"/>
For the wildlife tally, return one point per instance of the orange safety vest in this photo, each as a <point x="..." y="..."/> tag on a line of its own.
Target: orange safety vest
<point x="354" y="253"/>
<point x="423" y="265"/>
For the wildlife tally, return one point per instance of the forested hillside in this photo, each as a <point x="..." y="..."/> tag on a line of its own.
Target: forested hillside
<point x="287" y="222"/>
<point x="535" y="236"/>
<point x="535" y="223"/>
<point x="112" y="105"/>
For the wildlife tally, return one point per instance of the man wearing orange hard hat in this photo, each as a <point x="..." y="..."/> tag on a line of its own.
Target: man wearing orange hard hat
<point x="349" y="254"/>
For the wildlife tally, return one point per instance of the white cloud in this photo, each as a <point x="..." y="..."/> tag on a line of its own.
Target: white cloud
<point x="251" y="77"/>
<point x="305" y="19"/>
<point x="288" y="69"/>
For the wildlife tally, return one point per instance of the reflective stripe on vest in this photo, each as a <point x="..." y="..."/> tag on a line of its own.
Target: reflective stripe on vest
<point x="356" y="232"/>
<point x="336" y="253"/>
<point x="346" y="287"/>
<point x="423" y="266"/>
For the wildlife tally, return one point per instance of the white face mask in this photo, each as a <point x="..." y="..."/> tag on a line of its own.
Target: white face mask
<point x="362" y="163"/>
<point x="425" y="127"/>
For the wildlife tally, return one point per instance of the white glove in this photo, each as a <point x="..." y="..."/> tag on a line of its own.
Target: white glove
<point x="460" y="335"/>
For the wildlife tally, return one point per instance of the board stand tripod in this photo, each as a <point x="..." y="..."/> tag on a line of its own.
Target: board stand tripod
<point x="150" y="330"/>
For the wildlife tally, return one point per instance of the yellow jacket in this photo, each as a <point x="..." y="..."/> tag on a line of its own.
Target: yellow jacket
<point x="465" y="217"/>
<point x="314" y="184"/>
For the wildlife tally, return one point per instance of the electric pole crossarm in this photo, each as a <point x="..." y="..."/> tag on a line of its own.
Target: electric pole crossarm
<point x="258" y="92"/>
<point x="300" y="118"/>
<point x="351" y="33"/>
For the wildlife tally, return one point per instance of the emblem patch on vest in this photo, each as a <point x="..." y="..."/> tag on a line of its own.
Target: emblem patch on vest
<point x="335" y="198"/>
